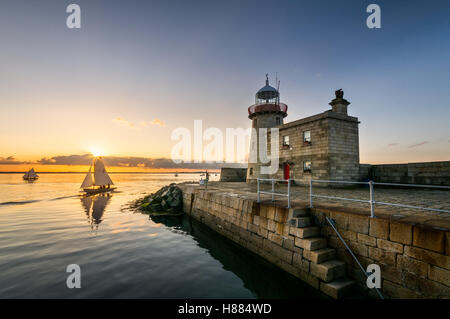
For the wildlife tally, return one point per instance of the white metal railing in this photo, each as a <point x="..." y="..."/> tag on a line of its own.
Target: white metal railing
<point x="372" y="200"/>
<point x="273" y="180"/>
<point x="332" y="223"/>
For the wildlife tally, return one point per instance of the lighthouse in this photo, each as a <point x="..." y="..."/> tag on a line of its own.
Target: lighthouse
<point x="267" y="112"/>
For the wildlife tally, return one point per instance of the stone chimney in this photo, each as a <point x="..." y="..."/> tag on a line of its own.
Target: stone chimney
<point x="339" y="104"/>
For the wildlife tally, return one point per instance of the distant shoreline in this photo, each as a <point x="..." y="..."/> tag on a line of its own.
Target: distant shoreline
<point x="179" y="173"/>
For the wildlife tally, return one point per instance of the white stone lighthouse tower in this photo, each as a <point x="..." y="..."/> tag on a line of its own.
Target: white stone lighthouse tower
<point x="267" y="112"/>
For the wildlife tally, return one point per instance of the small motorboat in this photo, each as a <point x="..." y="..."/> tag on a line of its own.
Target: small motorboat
<point x="100" y="182"/>
<point x="30" y="175"/>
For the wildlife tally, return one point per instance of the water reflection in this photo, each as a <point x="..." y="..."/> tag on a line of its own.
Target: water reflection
<point x="94" y="207"/>
<point x="263" y="279"/>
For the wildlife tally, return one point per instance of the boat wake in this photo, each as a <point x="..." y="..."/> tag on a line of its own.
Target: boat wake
<point x="10" y="203"/>
<point x="63" y="197"/>
<point x="19" y="202"/>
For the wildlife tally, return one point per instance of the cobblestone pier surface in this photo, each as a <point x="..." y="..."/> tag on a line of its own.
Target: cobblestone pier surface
<point x="428" y="198"/>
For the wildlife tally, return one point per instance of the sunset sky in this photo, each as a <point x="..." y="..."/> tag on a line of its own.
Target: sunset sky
<point x="136" y="70"/>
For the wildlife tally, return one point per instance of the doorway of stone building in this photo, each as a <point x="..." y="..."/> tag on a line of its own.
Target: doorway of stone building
<point x="286" y="171"/>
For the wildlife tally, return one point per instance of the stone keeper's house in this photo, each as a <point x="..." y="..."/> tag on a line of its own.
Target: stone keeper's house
<point x="323" y="146"/>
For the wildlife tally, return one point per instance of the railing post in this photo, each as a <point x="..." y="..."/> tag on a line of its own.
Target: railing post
<point x="310" y="194"/>
<point x="259" y="198"/>
<point x="372" y="212"/>
<point x="289" y="193"/>
<point x="273" y="189"/>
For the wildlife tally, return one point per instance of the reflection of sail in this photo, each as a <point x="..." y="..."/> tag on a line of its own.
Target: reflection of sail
<point x="100" y="203"/>
<point x="87" y="202"/>
<point x="94" y="206"/>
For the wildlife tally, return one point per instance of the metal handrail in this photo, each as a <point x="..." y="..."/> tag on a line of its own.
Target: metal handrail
<point x="331" y="222"/>
<point x="273" y="180"/>
<point x="413" y="185"/>
<point x="372" y="202"/>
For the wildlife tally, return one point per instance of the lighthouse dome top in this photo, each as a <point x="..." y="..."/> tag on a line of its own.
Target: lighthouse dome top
<point x="267" y="101"/>
<point x="267" y="93"/>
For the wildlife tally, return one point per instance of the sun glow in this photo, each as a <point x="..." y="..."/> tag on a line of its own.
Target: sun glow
<point x="97" y="152"/>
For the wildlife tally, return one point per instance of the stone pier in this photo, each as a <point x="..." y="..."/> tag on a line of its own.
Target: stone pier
<point x="413" y="256"/>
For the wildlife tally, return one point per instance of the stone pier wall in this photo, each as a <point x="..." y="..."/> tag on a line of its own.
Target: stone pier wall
<point x="233" y="174"/>
<point x="414" y="261"/>
<point x="428" y="173"/>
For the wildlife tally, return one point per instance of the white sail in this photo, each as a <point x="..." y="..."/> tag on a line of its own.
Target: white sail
<point x="87" y="180"/>
<point x="101" y="177"/>
<point x="32" y="173"/>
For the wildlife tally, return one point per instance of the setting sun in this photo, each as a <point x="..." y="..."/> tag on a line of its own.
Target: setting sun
<point x="97" y="152"/>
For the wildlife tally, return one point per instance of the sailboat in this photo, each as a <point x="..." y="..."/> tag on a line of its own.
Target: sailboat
<point x="30" y="175"/>
<point x="101" y="182"/>
<point x="176" y="174"/>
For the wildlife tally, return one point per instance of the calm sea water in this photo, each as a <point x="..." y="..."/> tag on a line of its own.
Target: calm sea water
<point x="47" y="225"/>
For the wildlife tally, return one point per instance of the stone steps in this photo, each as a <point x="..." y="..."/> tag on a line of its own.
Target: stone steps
<point x="319" y="256"/>
<point x="323" y="265"/>
<point x="300" y="222"/>
<point x="298" y="212"/>
<point x="338" y="288"/>
<point x="328" y="270"/>
<point x="305" y="232"/>
<point x="312" y="243"/>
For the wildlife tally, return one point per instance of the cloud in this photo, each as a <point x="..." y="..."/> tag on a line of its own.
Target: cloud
<point x="392" y="144"/>
<point x="123" y="122"/>
<point x="85" y="159"/>
<point x="158" y="122"/>
<point x="10" y="160"/>
<point x="418" y="144"/>
<point x="118" y="161"/>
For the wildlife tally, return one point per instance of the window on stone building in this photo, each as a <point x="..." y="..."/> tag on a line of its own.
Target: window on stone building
<point x="251" y="170"/>
<point x="278" y="121"/>
<point x="307" y="166"/>
<point x="307" y="137"/>
<point x="286" y="140"/>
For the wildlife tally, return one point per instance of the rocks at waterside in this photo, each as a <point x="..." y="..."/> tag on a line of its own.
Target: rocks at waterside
<point x="168" y="199"/>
